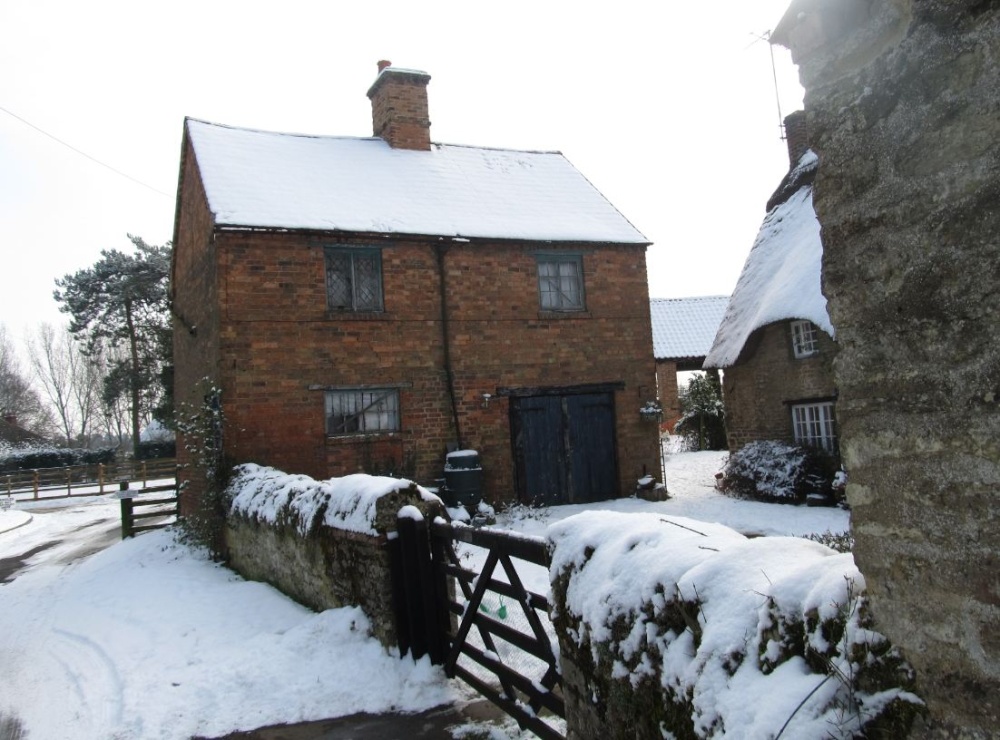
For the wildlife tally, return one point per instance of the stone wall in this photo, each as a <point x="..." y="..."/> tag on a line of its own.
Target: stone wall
<point x="675" y="628"/>
<point x="903" y="99"/>
<point x="759" y="388"/>
<point x="327" y="567"/>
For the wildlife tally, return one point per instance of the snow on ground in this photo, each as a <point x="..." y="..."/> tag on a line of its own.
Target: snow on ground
<point x="150" y="639"/>
<point x="690" y="478"/>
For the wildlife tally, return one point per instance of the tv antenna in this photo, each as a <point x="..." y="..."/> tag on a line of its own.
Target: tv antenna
<point x="766" y="37"/>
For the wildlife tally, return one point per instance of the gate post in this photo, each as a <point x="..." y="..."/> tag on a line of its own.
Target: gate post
<point x="421" y="617"/>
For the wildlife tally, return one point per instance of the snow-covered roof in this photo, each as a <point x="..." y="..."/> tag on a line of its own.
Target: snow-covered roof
<point x="294" y="181"/>
<point x="684" y="328"/>
<point x="781" y="277"/>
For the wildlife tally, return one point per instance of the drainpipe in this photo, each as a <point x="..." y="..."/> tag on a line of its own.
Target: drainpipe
<point x="446" y="342"/>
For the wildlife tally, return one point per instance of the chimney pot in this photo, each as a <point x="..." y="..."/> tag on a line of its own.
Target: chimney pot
<point x="383" y="63"/>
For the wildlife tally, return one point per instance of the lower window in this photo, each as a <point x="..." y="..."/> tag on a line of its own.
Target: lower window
<point x="362" y="411"/>
<point x="814" y="425"/>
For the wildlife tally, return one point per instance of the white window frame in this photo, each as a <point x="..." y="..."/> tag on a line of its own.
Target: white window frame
<point x="352" y="411"/>
<point x="805" y="339"/>
<point x="815" y="425"/>
<point x="560" y="282"/>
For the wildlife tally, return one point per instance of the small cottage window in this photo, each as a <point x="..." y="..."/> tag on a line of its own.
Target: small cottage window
<point x="805" y="340"/>
<point x="560" y="282"/>
<point x="362" y="411"/>
<point x="354" y="279"/>
<point x="814" y="425"/>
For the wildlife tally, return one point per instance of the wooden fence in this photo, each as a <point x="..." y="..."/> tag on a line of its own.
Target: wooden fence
<point x="155" y="513"/>
<point x="86" y="479"/>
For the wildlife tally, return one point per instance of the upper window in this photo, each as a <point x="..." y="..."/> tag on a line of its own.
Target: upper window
<point x="813" y="425"/>
<point x="353" y="279"/>
<point x="362" y="411"/>
<point x="560" y="282"/>
<point x="805" y="339"/>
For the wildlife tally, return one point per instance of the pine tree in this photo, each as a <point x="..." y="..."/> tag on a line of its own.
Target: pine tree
<point x="122" y="301"/>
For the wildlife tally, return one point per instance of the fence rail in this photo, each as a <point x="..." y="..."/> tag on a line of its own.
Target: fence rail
<point x="84" y="479"/>
<point x="155" y="513"/>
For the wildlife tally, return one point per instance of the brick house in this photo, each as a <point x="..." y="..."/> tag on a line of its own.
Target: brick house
<point x="683" y="332"/>
<point x="13" y="434"/>
<point x="776" y="345"/>
<point x="368" y="304"/>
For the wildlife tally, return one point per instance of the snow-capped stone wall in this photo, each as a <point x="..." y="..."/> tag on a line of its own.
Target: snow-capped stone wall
<point x="324" y="543"/>
<point x="671" y="627"/>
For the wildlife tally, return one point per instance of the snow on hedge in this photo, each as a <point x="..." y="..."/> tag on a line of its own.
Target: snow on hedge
<point x="727" y="634"/>
<point x="268" y="495"/>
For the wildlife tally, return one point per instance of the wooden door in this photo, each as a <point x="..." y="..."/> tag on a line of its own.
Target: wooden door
<point x="564" y="448"/>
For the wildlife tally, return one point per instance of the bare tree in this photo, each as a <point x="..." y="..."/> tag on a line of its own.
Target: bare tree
<point x="70" y="380"/>
<point x="18" y="399"/>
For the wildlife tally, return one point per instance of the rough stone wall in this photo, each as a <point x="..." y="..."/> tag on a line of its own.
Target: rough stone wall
<point x="903" y="99"/>
<point x="327" y="568"/>
<point x="279" y="346"/>
<point x="759" y="387"/>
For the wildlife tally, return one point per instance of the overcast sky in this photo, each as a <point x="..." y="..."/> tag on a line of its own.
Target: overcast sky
<point x="668" y="108"/>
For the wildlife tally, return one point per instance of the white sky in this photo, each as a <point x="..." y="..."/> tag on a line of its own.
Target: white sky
<point x="668" y="108"/>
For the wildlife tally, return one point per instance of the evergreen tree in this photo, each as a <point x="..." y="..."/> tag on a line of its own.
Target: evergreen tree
<point x="703" y="420"/>
<point x="123" y="302"/>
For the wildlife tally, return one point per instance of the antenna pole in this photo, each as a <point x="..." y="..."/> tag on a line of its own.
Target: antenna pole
<point x="774" y="75"/>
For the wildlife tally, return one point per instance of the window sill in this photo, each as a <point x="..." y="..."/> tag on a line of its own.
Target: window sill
<point x="568" y="314"/>
<point x="362" y="437"/>
<point x="358" y="315"/>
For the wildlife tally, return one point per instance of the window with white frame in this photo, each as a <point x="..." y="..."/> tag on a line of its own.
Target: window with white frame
<point x="805" y="339"/>
<point x="814" y="425"/>
<point x="362" y="411"/>
<point x="353" y="279"/>
<point x="560" y="282"/>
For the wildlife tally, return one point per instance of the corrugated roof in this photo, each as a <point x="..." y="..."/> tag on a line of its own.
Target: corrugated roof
<point x="684" y="328"/>
<point x="294" y="181"/>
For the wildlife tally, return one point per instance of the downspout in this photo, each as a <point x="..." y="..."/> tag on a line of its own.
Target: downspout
<point x="446" y="342"/>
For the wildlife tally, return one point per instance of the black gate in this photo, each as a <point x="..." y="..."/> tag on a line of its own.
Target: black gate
<point x="564" y="447"/>
<point x="473" y="631"/>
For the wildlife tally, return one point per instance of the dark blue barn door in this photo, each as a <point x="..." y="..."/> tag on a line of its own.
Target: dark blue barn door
<point x="564" y="448"/>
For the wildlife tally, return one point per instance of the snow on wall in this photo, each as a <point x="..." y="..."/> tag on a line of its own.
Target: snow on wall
<point x="714" y="622"/>
<point x="781" y="277"/>
<point x="274" y="180"/>
<point x="268" y="495"/>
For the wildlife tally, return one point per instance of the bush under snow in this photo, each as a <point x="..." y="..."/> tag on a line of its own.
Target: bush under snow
<point x="775" y="471"/>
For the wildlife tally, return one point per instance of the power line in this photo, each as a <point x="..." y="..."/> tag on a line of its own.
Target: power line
<point x="83" y="154"/>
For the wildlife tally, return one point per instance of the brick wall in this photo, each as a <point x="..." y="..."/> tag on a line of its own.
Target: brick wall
<point x="399" y="108"/>
<point x="194" y="285"/>
<point x="276" y="341"/>
<point x="666" y="385"/>
<point x="766" y="377"/>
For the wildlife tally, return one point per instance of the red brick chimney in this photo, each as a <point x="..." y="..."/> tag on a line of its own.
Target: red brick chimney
<point x="399" y="107"/>
<point x="796" y="136"/>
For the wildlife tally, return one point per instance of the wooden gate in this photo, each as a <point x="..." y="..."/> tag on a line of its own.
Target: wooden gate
<point x="491" y="631"/>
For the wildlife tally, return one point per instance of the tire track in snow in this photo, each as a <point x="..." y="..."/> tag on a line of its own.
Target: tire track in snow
<point x="94" y="678"/>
